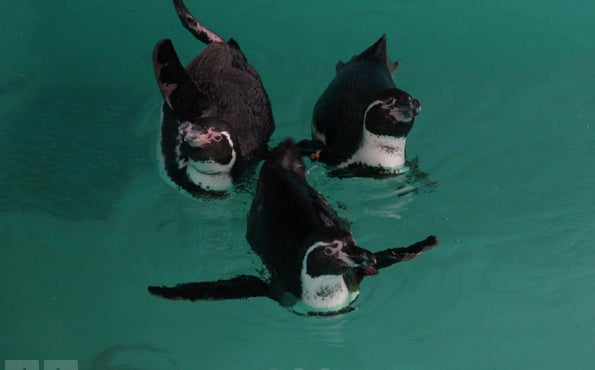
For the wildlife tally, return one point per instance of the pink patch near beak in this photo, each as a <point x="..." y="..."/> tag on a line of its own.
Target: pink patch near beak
<point x="210" y="137"/>
<point x="196" y="138"/>
<point x="370" y="270"/>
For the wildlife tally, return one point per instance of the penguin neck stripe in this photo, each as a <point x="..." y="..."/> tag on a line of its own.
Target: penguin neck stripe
<point x="216" y="181"/>
<point x="372" y="105"/>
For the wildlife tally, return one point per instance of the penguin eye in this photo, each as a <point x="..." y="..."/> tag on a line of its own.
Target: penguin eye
<point x="332" y="250"/>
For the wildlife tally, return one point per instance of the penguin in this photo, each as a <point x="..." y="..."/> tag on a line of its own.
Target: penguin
<point x="217" y="117"/>
<point x="362" y="119"/>
<point x="314" y="265"/>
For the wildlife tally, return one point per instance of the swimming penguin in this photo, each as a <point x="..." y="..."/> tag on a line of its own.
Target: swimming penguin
<point x="362" y="119"/>
<point x="314" y="264"/>
<point x="217" y="117"/>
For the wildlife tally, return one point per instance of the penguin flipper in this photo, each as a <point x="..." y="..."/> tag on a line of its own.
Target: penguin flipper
<point x="243" y="286"/>
<point x="391" y="256"/>
<point x="177" y="87"/>
<point x="199" y="31"/>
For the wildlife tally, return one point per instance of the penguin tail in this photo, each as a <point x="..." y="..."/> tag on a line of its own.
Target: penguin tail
<point x="243" y="286"/>
<point x="199" y="31"/>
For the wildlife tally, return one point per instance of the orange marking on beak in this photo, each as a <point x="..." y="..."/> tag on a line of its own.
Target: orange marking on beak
<point x="316" y="155"/>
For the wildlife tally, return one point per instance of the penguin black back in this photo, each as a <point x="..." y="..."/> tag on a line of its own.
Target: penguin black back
<point x="285" y="212"/>
<point x="360" y="106"/>
<point x="217" y="101"/>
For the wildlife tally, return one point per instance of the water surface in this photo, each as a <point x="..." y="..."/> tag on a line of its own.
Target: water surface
<point x="505" y="134"/>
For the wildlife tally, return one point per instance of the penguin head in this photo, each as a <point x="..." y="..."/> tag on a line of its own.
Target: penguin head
<point x="337" y="257"/>
<point x="209" y="148"/>
<point x="391" y="113"/>
<point x="332" y="268"/>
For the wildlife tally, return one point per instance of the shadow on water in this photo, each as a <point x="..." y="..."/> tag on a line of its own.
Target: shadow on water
<point x="414" y="180"/>
<point x="70" y="150"/>
<point x="12" y="86"/>
<point x="133" y="356"/>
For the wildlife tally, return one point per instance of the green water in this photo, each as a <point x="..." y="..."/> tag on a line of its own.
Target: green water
<point x="506" y="132"/>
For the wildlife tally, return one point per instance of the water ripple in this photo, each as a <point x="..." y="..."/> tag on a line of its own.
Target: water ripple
<point x="71" y="160"/>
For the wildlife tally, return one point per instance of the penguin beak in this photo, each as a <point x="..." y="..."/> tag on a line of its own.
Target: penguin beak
<point x="360" y="258"/>
<point x="416" y="106"/>
<point x="406" y="113"/>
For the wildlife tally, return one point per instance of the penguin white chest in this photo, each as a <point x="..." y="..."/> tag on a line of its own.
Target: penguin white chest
<point x="379" y="151"/>
<point x="325" y="292"/>
<point x="210" y="176"/>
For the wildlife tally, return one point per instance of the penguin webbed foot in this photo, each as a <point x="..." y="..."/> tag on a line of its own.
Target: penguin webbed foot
<point x="243" y="286"/>
<point x="310" y="148"/>
<point x="391" y="256"/>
